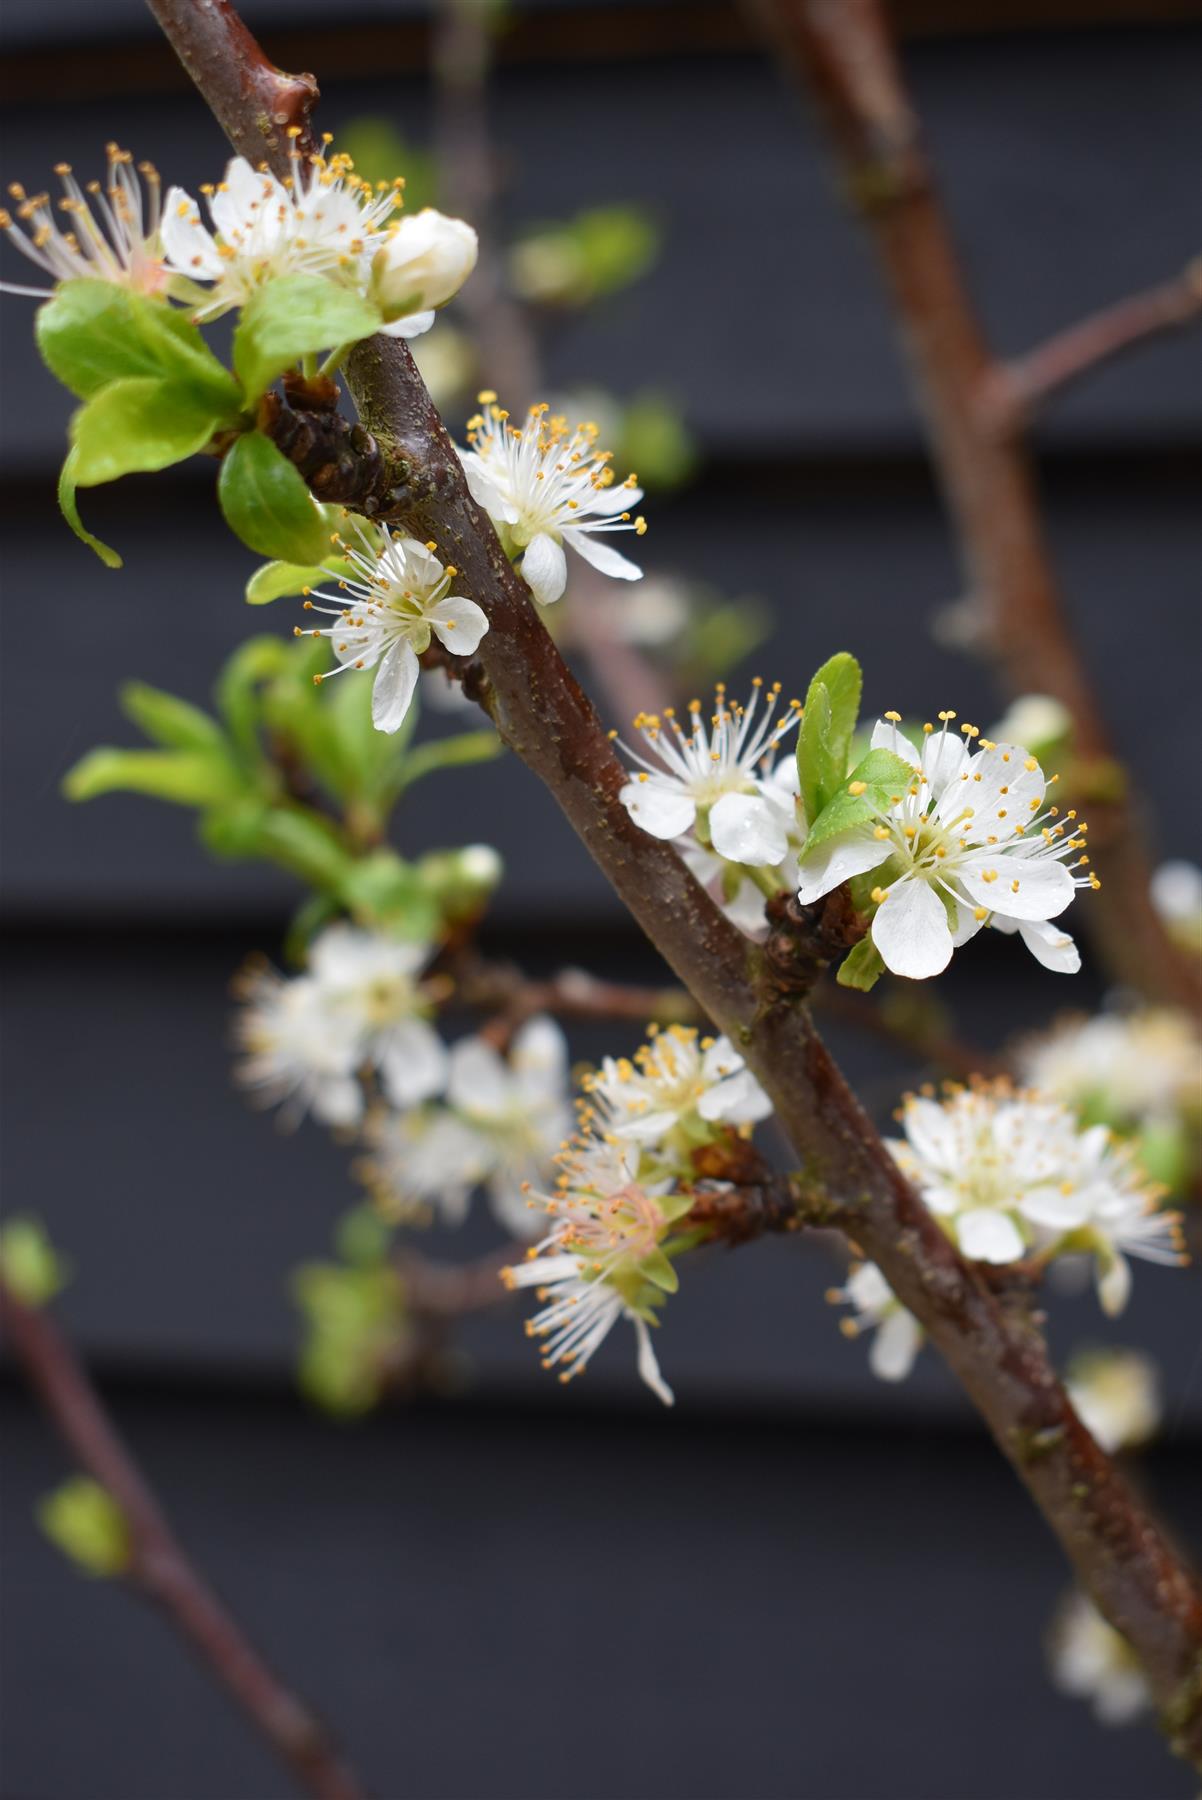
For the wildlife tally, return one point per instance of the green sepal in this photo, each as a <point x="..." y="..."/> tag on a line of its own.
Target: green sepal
<point x="70" y="512"/>
<point x="267" y="504"/>
<point x="656" y="1268"/>
<point x="885" y="776"/>
<point x="291" y="318"/>
<point x="170" y="721"/>
<point x="92" y="333"/>
<point x="862" y="967"/>
<point x="141" y="424"/>
<point x="831" y="710"/>
<point x="186" y="777"/>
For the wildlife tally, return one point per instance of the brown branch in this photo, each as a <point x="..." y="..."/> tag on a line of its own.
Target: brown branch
<point x="571" y="994"/>
<point x="1014" y="390"/>
<point x="160" y="1567"/>
<point x="844" y="52"/>
<point x="258" y="103"/>
<point x="1122" y="1558"/>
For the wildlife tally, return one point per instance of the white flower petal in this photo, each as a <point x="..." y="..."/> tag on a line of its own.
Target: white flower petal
<point x="479" y="1083"/>
<point x="1114" y="1284"/>
<point x="1052" y="1207"/>
<point x="1050" y="946"/>
<point x="836" y="861"/>
<point x="412" y="327"/>
<point x="187" y="245"/>
<point x="539" y="1059"/>
<point x="393" y="687"/>
<point x="895" y="1344"/>
<point x="648" y="1364"/>
<point x="1022" y="889"/>
<point x="664" y="811"/>
<point x="739" y="1099"/>
<point x="886" y="736"/>
<point x="989" y="1235"/>
<point x="545" y="569"/>
<point x="943" y="760"/>
<point x="458" y="623"/>
<point x="414" y="1065"/>
<point x="338" y="1100"/>
<point x="603" y="557"/>
<point x="747" y="829"/>
<point x="486" y="491"/>
<point x="911" y="931"/>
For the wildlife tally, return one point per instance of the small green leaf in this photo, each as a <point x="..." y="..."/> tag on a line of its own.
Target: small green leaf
<point x="84" y="1521"/>
<point x="862" y="967"/>
<point x="880" y="776"/>
<point x="266" y="503"/>
<point x="140" y="424"/>
<point x="29" y="1262"/>
<point x="385" y="891"/>
<point x="70" y="512"/>
<point x="277" y="580"/>
<point x="831" y="710"/>
<point x="91" y="333"/>
<point x="185" y="777"/>
<point x="257" y="660"/>
<point x="170" y="721"/>
<point x="292" y="317"/>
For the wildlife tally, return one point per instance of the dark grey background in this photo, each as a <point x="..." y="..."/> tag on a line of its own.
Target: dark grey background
<point x="801" y="1583"/>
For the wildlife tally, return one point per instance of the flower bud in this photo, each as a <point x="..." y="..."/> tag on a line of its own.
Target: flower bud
<point x="425" y="261"/>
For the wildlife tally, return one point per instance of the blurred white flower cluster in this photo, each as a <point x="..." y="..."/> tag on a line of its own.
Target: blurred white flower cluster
<point x="1011" y="1176"/>
<point x="626" y="1180"/>
<point x="1091" y="1661"/>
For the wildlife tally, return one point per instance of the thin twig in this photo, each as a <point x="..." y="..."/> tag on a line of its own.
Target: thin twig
<point x="1016" y="389"/>
<point x="160" y="1567"/>
<point x="844" y="51"/>
<point x="1122" y="1558"/>
<point x="502" y="989"/>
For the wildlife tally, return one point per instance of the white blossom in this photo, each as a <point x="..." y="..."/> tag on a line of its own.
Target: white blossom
<point x="898" y="1335"/>
<point x="586" y="1270"/>
<point x="398" y="595"/>
<point x="676" y="1076"/>
<point x="1131" y="1069"/>
<point x="423" y="263"/>
<point x="546" y="485"/>
<point x="111" y="236"/>
<point x="301" y="1054"/>
<point x="1091" y="1661"/>
<point x="1037" y="719"/>
<point x="1117" y="1396"/>
<point x="1008" y="1173"/>
<point x="370" y="981"/>
<point x="324" y="220"/>
<point x="719" y="781"/>
<point x="503" y="1121"/>
<point x="968" y="842"/>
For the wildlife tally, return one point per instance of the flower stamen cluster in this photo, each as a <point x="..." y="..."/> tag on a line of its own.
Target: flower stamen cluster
<point x="113" y="230"/>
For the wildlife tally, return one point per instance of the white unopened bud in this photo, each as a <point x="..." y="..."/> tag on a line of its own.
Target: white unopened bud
<point x="424" y="263"/>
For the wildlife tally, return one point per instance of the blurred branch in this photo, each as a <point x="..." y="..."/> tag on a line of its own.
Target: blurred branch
<point x="1014" y="390"/>
<point x="467" y="162"/>
<point x="1125" y="1562"/>
<point x="844" y="51"/>
<point x="159" y="1566"/>
<point x="501" y="988"/>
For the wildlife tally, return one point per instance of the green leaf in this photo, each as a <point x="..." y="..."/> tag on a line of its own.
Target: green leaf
<point x="292" y="317"/>
<point x="266" y="503"/>
<point x="70" y="512"/>
<point x="880" y="776"/>
<point x="84" y="1521"/>
<point x="862" y="967"/>
<point x="255" y="661"/>
<point x="91" y="333"/>
<point x="185" y="777"/>
<point x="276" y="580"/>
<point x="831" y="710"/>
<point x="29" y="1262"/>
<point x="170" y="721"/>
<point x="140" y="424"/>
<point x="300" y="841"/>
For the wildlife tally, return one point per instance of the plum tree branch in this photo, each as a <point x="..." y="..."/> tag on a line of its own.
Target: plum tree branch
<point x="519" y="676"/>
<point x="160" y="1567"/>
<point x="844" y="53"/>
<point x="1016" y="389"/>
